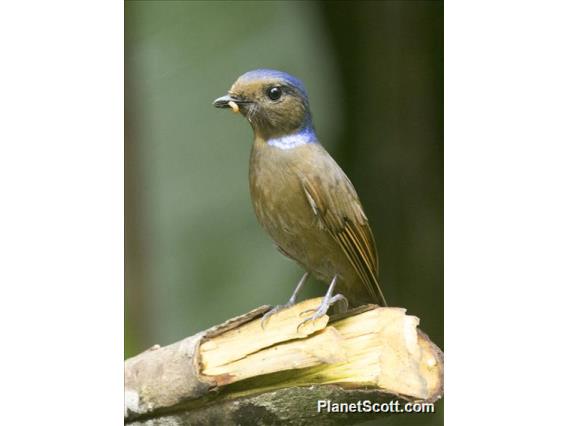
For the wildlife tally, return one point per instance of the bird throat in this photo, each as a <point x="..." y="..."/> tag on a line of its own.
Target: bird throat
<point x="302" y="137"/>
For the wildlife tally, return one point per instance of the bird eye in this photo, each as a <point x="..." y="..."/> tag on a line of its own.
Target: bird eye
<point x="274" y="93"/>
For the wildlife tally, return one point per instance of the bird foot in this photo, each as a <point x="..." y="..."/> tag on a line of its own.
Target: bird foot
<point x="273" y="311"/>
<point x="290" y="302"/>
<point x="324" y="307"/>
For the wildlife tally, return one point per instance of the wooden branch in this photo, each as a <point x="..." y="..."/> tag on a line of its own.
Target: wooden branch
<point x="240" y="373"/>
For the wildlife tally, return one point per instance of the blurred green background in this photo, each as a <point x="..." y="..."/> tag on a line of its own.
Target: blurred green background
<point x="195" y="255"/>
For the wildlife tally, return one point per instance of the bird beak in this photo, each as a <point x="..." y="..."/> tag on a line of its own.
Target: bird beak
<point x="227" y="101"/>
<point x="223" y="101"/>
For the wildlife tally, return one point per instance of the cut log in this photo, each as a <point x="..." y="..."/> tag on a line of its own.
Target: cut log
<point x="277" y="374"/>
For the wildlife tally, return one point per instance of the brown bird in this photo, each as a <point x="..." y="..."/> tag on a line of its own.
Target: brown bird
<point x="301" y="197"/>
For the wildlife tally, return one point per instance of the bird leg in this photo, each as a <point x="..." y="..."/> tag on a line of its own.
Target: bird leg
<point x="290" y="302"/>
<point x="327" y="301"/>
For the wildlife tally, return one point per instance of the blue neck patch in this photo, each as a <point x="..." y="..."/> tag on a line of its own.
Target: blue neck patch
<point x="302" y="137"/>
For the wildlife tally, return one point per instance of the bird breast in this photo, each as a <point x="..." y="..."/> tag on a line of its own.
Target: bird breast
<point x="277" y="196"/>
<point x="283" y="209"/>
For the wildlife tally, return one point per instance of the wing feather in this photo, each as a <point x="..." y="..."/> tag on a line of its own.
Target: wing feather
<point x="340" y="212"/>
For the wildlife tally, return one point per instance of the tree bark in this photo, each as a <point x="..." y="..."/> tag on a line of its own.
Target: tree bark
<point x="244" y="372"/>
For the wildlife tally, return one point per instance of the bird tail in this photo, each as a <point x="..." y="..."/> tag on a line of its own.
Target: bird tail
<point x="378" y="293"/>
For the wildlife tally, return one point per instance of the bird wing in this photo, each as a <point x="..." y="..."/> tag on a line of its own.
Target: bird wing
<point x="336" y="204"/>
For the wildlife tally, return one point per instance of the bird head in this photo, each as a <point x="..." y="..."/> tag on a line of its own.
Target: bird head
<point x="275" y="103"/>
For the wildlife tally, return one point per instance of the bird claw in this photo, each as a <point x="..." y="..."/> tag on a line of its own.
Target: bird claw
<point x="290" y="302"/>
<point x="273" y="311"/>
<point x="344" y="302"/>
<point x="314" y="317"/>
<point x="323" y="308"/>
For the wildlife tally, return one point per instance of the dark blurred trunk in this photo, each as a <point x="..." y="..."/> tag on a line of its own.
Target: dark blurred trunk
<point x="390" y="55"/>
